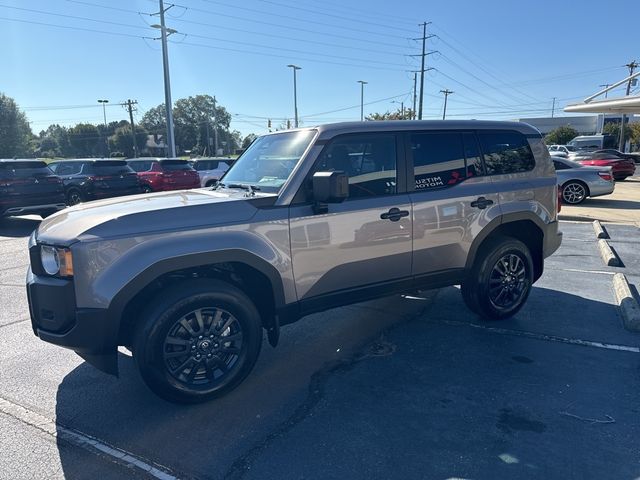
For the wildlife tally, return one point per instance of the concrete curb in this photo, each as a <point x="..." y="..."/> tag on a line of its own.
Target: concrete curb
<point x="599" y="229"/>
<point x="628" y="305"/>
<point x="610" y="258"/>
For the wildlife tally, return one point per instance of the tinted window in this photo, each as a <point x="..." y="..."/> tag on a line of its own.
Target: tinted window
<point x="560" y="166"/>
<point x="472" y="154"/>
<point x="369" y="160"/>
<point x="175" y="165"/>
<point x="71" y="168"/>
<point x="506" y="152"/>
<point x="141" y="166"/>
<point x="23" y="169"/>
<point x="438" y="159"/>
<point x="108" y="168"/>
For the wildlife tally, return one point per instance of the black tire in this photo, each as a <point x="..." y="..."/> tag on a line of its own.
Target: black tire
<point x="480" y="291"/>
<point x="620" y="179"/>
<point x="181" y="365"/>
<point x="74" y="197"/>
<point x="146" y="189"/>
<point x="574" y="192"/>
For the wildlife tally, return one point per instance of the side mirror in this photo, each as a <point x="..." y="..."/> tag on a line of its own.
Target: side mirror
<point x="330" y="187"/>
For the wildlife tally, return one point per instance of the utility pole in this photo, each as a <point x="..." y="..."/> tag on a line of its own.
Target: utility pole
<point x="632" y="66"/>
<point x="362" y="84"/>
<point x="215" y="128"/>
<point x="401" y="108"/>
<point x="415" y="93"/>
<point x="165" y="32"/>
<point x="129" y="104"/>
<point x="104" y="113"/>
<point x="446" y="92"/>
<point x="605" y="85"/>
<point x="424" y="54"/>
<point x="553" y="107"/>
<point x="295" y="94"/>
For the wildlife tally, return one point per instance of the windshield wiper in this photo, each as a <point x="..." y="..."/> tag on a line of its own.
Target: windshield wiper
<point x="251" y="189"/>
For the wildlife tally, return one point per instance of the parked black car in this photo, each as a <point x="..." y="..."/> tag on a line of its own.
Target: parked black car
<point x="28" y="186"/>
<point x="95" y="178"/>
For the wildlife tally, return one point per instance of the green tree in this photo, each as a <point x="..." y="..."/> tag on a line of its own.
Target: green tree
<point x="396" y="115"/>
<point x="85" y="140"/>
<point x="561" y="135"/>
<point x="122" y="141"/>
<point x="635" y="134"/>
<point x="193" y="120"/>
<point x="248" y="139"/>
<point x="613" y="128"/>
<point x="15" y="132"/>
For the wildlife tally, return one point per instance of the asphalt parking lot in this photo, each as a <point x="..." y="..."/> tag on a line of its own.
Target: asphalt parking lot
<point x="403" y="387"/>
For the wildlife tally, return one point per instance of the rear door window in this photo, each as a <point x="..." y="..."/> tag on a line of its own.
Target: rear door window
<point x="506" y="152"/>
<point x="438" y="159"/>
<point x="71" y="168"/>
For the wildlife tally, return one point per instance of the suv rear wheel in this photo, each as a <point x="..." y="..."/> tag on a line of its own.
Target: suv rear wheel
<point x="499" y="282"/>
<point x="198" y="341"/>
<point x="74" y="197"/>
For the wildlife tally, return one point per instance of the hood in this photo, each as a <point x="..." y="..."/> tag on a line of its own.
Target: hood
<point x="147" y="213"/>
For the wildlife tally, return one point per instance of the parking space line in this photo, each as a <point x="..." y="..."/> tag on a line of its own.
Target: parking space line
<point x="86" y="442"/>
<point x="14" y="322"/>
<point x="578" y="270"/>
<point x="542" y="336"/>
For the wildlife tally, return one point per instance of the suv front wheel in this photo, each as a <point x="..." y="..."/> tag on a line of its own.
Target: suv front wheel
<point x="198" y="341"/>
<point x="500" y="280"/>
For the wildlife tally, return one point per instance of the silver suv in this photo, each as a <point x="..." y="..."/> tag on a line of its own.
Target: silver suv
<point x="304" y="221"/>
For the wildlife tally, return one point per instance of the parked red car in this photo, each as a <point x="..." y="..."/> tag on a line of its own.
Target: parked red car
<point x="621" y="167"/>
<point x="160" y="174"/>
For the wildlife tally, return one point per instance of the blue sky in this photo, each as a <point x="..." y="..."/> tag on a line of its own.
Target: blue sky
<point x="503" y="59"/>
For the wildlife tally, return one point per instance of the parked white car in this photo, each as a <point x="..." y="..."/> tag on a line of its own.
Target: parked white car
<point x="211" y="169"/>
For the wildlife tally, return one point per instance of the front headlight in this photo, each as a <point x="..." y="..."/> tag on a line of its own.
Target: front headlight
<point x="56" y="261"/>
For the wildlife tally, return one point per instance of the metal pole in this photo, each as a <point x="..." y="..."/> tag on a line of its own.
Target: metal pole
<point x="553" y="108"/>
<point x="632" y="66"/>
<point x="402" y="109"/>
<point x="171" y="141"/>
<point x="362" y="84"/>
<point x="104" y="114"/>
<point x="415" y="92"/>
<point x="295" y="94"/>
<point x="424" y="39"/>
<point x="446" y="92"/>
<point x="215" y="128"/>
<point x="130" y="105"/>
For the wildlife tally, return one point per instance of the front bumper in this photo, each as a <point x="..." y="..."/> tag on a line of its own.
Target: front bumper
<point x="552" y="239"/>
<point x="56" y="319"/>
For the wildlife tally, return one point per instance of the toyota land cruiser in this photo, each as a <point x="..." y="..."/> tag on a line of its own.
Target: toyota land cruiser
<point x="304" y="221"/>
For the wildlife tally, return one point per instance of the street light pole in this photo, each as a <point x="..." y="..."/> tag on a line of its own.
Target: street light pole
<point x="295" y="93"/>
<point x="104" y="114"/>
<point x="362" y="84"/>
<point x="171" y="142"/>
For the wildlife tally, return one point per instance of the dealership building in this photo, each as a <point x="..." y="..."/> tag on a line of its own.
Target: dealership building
<point x="585" y="124"/>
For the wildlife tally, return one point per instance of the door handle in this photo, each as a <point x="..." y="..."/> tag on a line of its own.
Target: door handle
<point x="394" y="214"/>
<point x="482" y="203"/>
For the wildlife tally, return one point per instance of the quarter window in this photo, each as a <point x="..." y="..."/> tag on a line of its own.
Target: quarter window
<point x="506" y="152"/>
<point x="369" y="160"/>
<point x="438" y="159"/>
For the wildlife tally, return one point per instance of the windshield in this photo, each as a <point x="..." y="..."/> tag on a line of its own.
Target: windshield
<point x="269" y="161"/>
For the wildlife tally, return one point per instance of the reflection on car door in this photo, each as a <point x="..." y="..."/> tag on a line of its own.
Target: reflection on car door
<point x="452" y="199"/>
<point x="363" y="240"/>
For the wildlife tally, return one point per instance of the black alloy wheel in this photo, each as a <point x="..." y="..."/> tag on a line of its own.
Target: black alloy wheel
<point x="197" y="340"/>
<point x="74" y="197"/>
<point x="499" y="283"/>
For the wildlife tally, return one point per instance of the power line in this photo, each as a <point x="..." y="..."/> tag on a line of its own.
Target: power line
<point x="297" y="19"/>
